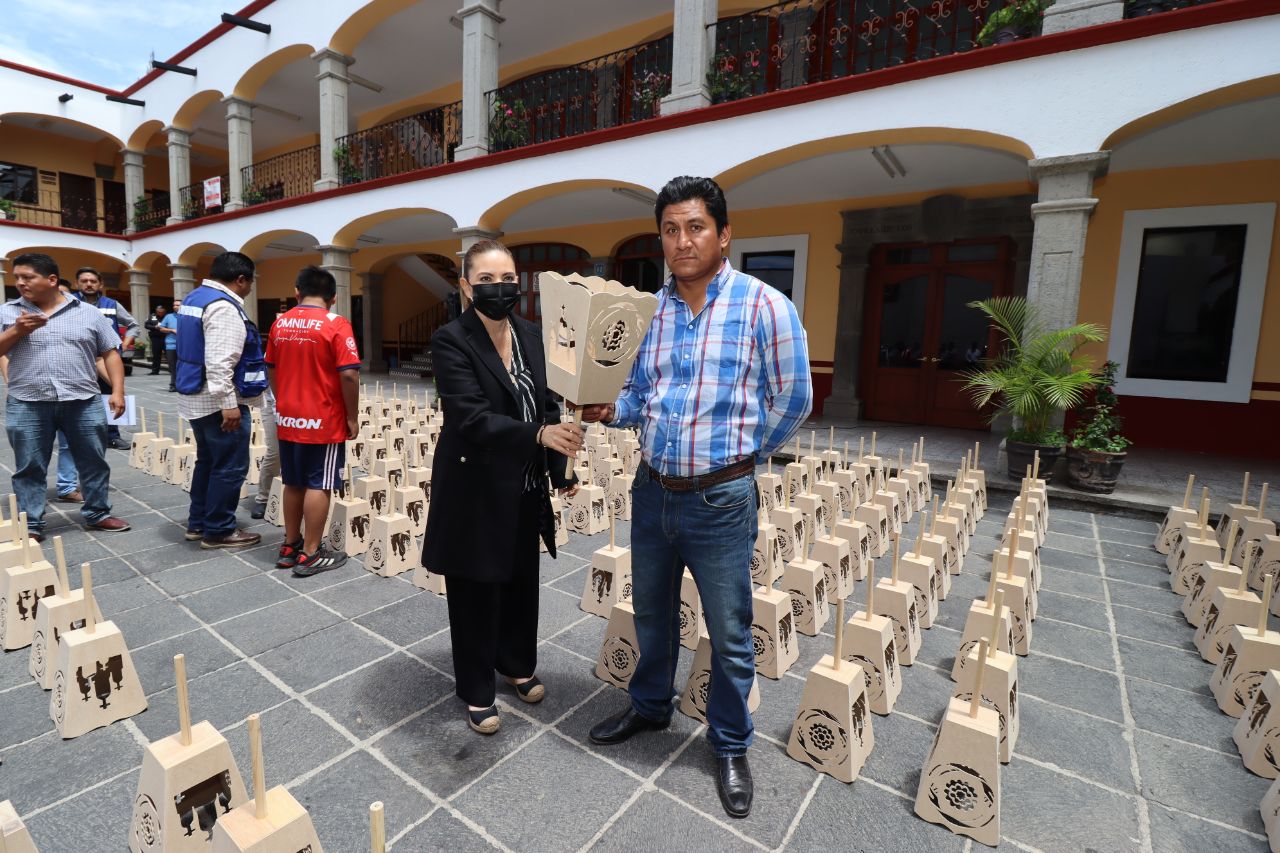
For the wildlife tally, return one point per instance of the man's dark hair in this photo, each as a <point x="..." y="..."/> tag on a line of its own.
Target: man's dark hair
<point x="313" y="281"/>
<point x="38" y="261"/>
<point x="685" y="188"/>
<point x="84" y="270"/>
<point x="230" y="266"/>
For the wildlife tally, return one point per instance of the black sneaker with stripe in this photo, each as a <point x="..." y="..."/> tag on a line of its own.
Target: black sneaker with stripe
<point x="321" y="561"/>
<point x="288" y="556"/>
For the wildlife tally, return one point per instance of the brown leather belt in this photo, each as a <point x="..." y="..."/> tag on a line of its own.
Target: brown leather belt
<point x="741" y="468"/>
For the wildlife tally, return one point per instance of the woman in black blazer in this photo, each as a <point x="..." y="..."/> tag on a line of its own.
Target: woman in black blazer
<point x="490" y="502"/>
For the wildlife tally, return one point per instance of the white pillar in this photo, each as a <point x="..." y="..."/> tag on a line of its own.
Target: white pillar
<point x="184" y="280"/>
<point x="134" y="188"/>
<point x="337" y="260"/>
<point x="251" y="307"/>
<point x="1073" y="14"/>
<point x="239" y="147"/>
<point x="692" y="46"/>
<point x="140" y="294"/>
<point x="1061" y="223"/>
<point x="179" y="148"/>
<point x="371" y="331"/>
<point x="334" y="114"/>
<point x="480" y="20"/>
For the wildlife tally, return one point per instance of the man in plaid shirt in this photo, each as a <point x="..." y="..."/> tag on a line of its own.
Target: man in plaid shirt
<point x="721" y="379"/>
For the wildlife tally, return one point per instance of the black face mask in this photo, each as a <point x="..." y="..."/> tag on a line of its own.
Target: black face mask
<point x="495" y="301"/>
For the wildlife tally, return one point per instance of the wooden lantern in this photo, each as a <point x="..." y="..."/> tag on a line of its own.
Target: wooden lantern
<point x="22" y="588"/>
<point x="770" y="487"/>
<point x="1270" y="808"/>
<point x="862" y="472"/>
<point x="1193" y="553"/>
<point x="188" y="781"/>
<point x="832" y="730"/>
<point x="140" y="444"/>
<point x="964" y="499"/>
<point x="1266" y="561"/>
<point x="976" y="627"/>
<point x="891" y="503"/>
<point x="1227" y="606"/>
<point x="1248" y="654"/>
<point x="922" y="573"/>
<point x="588" y="511"/>
<point x="1019" y="561"/>
<point x="1236" y="512"/>
<point x="391" y="546"/>
<point x="412" y="502"/>
<point x="904" y="492"/>
<point x="423" y="578"/>
<point x="420" y="477"/>
<point x="812" y="461"/>
<point x="58" y="613"/>
<point x="375" y="490"/>
<point x="14" y="835"/>
<point x="391" y="470"/>
<point x="934" y="547"/>
<point x="1196" y="529"/>
<point x="1170" y="532"/>
<point x="766" y="555"/>
<point x="1017" y="593"/>
<point x="272" y="822"/>
<point x="999" y="685"/>
<point x="977" y="478"/>
<point x="875" y="464"/>
<point x="812" y="512"/>
<point x="256" y="433"/>
<point x="960" y="782"/>
<point x="796" y="474"/>
<point x="608" y="579"/>
<point x="832" y="459"/>
<point x="13" y="551"/>
<point x="161" y="445"/>
<point x="1214" y="576"/>
<point x="858" y="535"/>
<point x="95" y="682"/>
<point x="773" y="633"/>
<point x="697" y="688"/>
<point x="837" y="559"/>
<point x="955" y="511"/>
<point x="879" y="527"/>
<point x="179" y="458"/>
<point x="1255" y="527"/>
<point x="789" y="521"/>
<point x="848" y="487"/>
<point x="619" y="497"/>
<point x="896" y="599"/>
<point x="952" y="530"/>
<point x="804" y="579"/>
<point x="620" y="651"/>
<point x="350" y="520"/>
<point x="869" y="641"/>
<point x="1257" y="732"/>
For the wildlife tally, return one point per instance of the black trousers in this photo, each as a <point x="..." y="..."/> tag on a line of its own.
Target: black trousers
<point x="157" y="354"/>
<point x="171" y="358"/>
<point x="494" y="626"/>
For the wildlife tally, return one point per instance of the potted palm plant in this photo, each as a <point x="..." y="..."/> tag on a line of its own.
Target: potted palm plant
<point x="1097" y="449"/>
<point x="1036" y="376"/>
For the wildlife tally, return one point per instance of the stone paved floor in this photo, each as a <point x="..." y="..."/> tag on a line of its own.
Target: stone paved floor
<point x="1122" y="747"/>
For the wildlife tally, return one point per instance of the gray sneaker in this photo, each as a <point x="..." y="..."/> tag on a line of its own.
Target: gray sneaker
<point x="321" y="561"/>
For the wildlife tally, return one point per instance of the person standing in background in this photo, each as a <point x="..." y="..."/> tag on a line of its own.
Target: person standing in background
<point x="271" y="460"/>
<point x="156" y="338"/>
<point x="169" y="328"/>
<point x="89" y="282"/>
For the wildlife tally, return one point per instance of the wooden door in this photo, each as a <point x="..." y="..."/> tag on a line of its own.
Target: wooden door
<point x="79" y="201"/>
<point x="114" y="213"/>
<point x="920" y="336"/>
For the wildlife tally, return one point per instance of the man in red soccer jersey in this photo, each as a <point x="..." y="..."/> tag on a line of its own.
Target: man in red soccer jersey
<point x="314" y="369"/>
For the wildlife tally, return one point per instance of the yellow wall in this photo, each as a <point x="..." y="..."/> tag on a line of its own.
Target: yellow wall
<point x="1232" y="183"/>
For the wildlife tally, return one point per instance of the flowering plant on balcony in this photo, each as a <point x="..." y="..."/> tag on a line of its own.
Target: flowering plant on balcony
<point x="1019" y="20"/>
<point x="651" y="89"/>
<point x="7" y="208"/>
<point x="732" y="77"/>
<point x="509" y="124"/>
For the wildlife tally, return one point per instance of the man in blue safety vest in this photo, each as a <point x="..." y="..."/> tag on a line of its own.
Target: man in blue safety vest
<point x="221" y="372"/>
<point x="89" y="282"/>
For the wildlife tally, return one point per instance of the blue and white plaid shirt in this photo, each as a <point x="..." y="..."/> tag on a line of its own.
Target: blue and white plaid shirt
<point x="731" y="383"/>
<point x="56" y="361"/>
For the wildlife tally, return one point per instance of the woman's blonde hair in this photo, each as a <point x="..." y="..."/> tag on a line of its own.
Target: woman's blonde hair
<point x="482" y="247"/>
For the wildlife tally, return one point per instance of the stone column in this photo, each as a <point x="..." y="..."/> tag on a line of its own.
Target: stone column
<point x="1061" y="222"/>
<point x="140" y="294"/>
<point x="251" y="308"/>
<point x="337" y="260"/>
<point x="480" y="20"/>
<point x="692" y="46"/>
<point x="4" y="272"/>
<point x="184" y="280"/>
<point x="845" y="400"/>
<point x="1073" y="14"/>
<point x="372" y="320"/>
<point x="334" y="115"/>
<point x="239" y="148"/>
<point x="134" y="188"/>
<point x="179" y="170"/>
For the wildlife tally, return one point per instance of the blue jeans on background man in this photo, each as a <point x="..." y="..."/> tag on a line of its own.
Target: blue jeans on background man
<point x="32" y="428"/>
<point x="222" y="463"/>
<point x="712" y="531"/>
<point x="68" y="479"/>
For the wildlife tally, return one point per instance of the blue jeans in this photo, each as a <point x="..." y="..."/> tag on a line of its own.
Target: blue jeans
<point x="68" y="479"/>
<point x="32" y="427"/>
<point x="222" y="463"/>
<point x="712" y="531"/>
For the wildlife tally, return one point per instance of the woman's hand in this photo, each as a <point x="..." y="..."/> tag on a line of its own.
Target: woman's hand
<point x="564" y="438"/>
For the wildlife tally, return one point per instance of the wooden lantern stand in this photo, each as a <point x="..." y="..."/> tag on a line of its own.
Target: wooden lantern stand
<point x="1215" y="575"/>
<point x="140" y="444"/>
<point x="1227" y="607"/>
<point x="1170" y="533"/>
<point x="922" y="573"/>
<point x="1257" y="732"/>
<point x="697" y="688"/>
<point x="22" y="588"/>
<point x="869" y="641"/>
<point x="1000" y="683"/>
<point x="804" y="580"/>
<point x="14" y="835"/>
<point x="1248" y="653"/>
<point x="896" y="599"/>
<point x="981" y="613"/>
<point x="57" y="614"/>
<point x="773" y="632"/>
<point x="608" y="579"/>
<point x="1195" y="551"/>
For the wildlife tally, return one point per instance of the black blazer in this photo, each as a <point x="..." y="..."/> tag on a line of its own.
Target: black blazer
<point x="477" y="478"/>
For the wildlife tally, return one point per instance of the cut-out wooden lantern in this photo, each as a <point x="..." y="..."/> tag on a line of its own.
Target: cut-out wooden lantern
<point x="879" y="528"/>
<point x="796" y="474"/>
<point x="620" y="651"/>
<point x="412" y="502"/>
<point x="350" y="521"/>
<point x="766" y="554"/>
<point x="999" y="685"/>
<point x="140" y="444"/>
<point x="891" y="503"/>
<point x="1170" y="532"/>
<point x="1214" y="576"/>
<point x="161" y="445"/>
<point x="272" y="822"/>
<point x="63" y="611"/>
<point x="773" y="633"/>
<point x="804" y="580"/>
<point x="1194" y="552"/>
<point x="391" y="470"/>
<point x="934" y="546"/>
<point x="770" y="487"/>
<point x="697" y="688"/>
<point x="977" y="477"/>
<point x="977" y="625"/>
<point x="952" y="530"/>
<point x="896" y="599"/>
<point x="922" y="573"/>
<point x="1248" y="654"/>
<point x="960" y="781"/>
<point x="1227" y="607"/>
<point x="608" y="578"/>
<point x="691" y="622"/>
<point x="858" y="535"/>
<point x="188" y="781"/>
<point x="375" y="490"/>
<point x="22" y="588"/>
<point x="1257" y="732"/>
<point x="391" y="546"/>
<point x="588" y="511"/>
<point x="14" y="835"/>
<point x="423" y="578"/>
<point x="790" y="523"/>
<point x="95" y="682"/>
<point x="1255" y="527"/>
<point x="1266" y="561"/>
<point x="869" y="641"/>
<point x="1270" y="808"/>
<point x="837" y="558"/>
<point x="1017" y="593"/>
<point x="904" y="491"/>
<point x="619" y="496"/>
<point x="1236" y="512"/>
<point x="832" y="729"/>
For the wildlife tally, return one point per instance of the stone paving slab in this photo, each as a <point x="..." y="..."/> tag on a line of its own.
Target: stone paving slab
<point x="1121" y="748"/>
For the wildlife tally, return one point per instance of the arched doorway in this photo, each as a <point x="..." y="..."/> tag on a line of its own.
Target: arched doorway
<point x="533" y="258"/>
<point x="639" y="263"/>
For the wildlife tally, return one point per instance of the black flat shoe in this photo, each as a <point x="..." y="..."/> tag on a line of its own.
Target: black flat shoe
<point x="733" y="784"/>
<point x="485" y="721"/>
<point x="621" y="726"/>
<point x="531" y="691"/>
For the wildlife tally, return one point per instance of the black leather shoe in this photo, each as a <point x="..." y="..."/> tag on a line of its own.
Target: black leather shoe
<point x="622" y="726"/>
<point x="733" y="783"/>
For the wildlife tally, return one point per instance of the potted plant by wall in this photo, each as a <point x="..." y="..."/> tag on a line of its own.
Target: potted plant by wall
<point x="1097" y="449"/>
<point x="508" y="125"/>
<point x="1019" y="20"/>
<point x="732" y="77"/>
<point x="8" y="210"/>
<point x="348" y="169"/>
<point x="1036" y="376"/>
<point x="141" y="208"/>
<point x="650" y="90"/>
<point x="253" y="195"/>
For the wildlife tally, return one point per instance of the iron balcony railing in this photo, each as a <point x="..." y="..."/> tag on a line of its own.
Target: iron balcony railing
<point x="423" y="139"/>
<point x="150" y="213"/>
<point x="611" y="90"/>
<point x="284" y="176"/>
<point x="191" y="199"/>
<point x="63" y="210"/>
<point x="798" y="42"/>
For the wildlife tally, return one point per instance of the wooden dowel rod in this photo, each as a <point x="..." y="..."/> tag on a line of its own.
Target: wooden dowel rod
<point x="895" y="558"/>
<point x="184" y="703"/>
<point x="13" y="517"/>
<point x="831" y="438"/>
<point x="995" y="618"/>
<point x="64" y="583"/>
<point x="160" y="427"/>
<point x="377" y="829"/>
<point x="1244" y="492"/>
<point x="1266" y="604"/>
<point x="1204" y="510"/>
<point x="871" y="589"/>
<point x="862" y="442"/>
<point x="1186" y="497"/>
<point x="933" y="528"/>
<point x="1262" y="502"/>
<point x="924" y="521"/>
<point x="259" y="772"/>
<point x="995" y="570"/>
<point x="613" y="543"/>
<point x="142" y="418"/>
<point x="90" y="609"/>
<point x="1231" y="543"/>
<point x="1249" y="554"/>
<point x="976" y="702"/>
<point x="838" y="652"/>
<point x="1035" y="468"/>
<point x="25" y="543"/>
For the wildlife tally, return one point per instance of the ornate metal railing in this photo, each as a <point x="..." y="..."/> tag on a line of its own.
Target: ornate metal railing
<point x="284" y="176"/>
<point x="153" y="213"/>
<point x="615" y="89"/>
<point x="191" y="199"/>
<point x="423" y="139"/>
<point x="798" y="42"/>
<point x="51" y="208"/>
